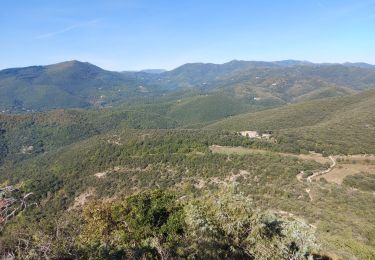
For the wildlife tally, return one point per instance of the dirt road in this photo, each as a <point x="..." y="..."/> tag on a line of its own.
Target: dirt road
<point x="319" y="173"/>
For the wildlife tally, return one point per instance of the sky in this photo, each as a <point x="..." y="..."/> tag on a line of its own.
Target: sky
<point x="133" y="35"/>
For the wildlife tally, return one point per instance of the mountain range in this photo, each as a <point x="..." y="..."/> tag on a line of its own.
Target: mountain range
<point x="111" y="165"/>
<point x="75" y="84"/>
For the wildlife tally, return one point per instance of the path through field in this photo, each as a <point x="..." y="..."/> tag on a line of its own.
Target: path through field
<point x="340" y="166"/>
<point x="319" y="173"/>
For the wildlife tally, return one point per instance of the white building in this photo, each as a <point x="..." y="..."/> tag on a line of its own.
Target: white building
<point x="250" y="134"/>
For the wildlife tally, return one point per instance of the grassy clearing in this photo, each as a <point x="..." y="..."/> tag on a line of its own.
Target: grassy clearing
<point x="235" y="150"/>
<point x="242" y="151"/>
<point x="338" y="174"/>
<point x="347" y="166"/>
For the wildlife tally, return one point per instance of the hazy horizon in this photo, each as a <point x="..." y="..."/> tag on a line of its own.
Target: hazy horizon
<point x="144" y="69"/>
<point x="136" y="35"/>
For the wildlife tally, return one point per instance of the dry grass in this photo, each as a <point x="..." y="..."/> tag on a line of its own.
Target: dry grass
<point x="338" y="174"/>
<point x="235" y="150"/>
<point x="348" y="165"/>
<point x="242" y="150"/>
<point x="121" y="169"/>
<point x="312" y="156"/>
<point x="357" y="158"/>
<point x="82" y="199"/>
<point x="100" y="174"/>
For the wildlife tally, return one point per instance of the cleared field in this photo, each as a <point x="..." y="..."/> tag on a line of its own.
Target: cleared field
<point x="242" y="150"/>
<point x="338" y="174"/>
<point x="346" y="165"/>
<point x="235" y="150"/>
<point x="357" y="158"/>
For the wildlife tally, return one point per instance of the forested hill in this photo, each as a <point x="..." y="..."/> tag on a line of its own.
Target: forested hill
<point x="334" y="125"/>
<point x="64" y="85"/>
<point x="137" y="180"/>
<point x="75" y="84"/>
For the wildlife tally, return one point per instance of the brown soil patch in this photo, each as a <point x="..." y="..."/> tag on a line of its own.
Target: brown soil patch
<point x="338" y="174"/>
<point x="234" y="177"/>
<point x="100" y="174"/>
<point x="81" y="199"/>
<point x="118" y="169"/>
<point x="308" y="191"/>
<point x="199" y="184"/>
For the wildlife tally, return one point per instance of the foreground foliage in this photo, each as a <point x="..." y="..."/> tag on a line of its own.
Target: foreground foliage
<point x="156" y="225"/>
<point x="127" y="162"/>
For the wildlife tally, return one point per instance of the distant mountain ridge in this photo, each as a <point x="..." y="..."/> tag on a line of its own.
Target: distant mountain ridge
<point x="154" y="71"/>
<point x="64" y="85"/>
<point x="75" y="84"/>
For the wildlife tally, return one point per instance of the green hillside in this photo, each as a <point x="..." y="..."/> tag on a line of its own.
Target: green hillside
<point x="334" y="125"/>
<point x="121" y="165"/>
<point x="206" y="108"/>
<point x="136" y="176"/>
<point x="25" y="136"/>
<point x="70" y="84"/>
<point x="75" y="84"/>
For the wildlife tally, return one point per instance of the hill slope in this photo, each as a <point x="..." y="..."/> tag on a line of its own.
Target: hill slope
<point x="334" y="125"/>
<point x="64" y="85"/>
<point x="126" y="162"/>
<point x="75" y="84"/>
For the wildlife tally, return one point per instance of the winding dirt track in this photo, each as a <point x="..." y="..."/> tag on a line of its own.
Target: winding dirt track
<point x="319" y="173"/>
<point x="311" y="156"/>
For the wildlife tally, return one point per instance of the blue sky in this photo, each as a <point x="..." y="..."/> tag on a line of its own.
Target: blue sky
<point x="132" y="35"/>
